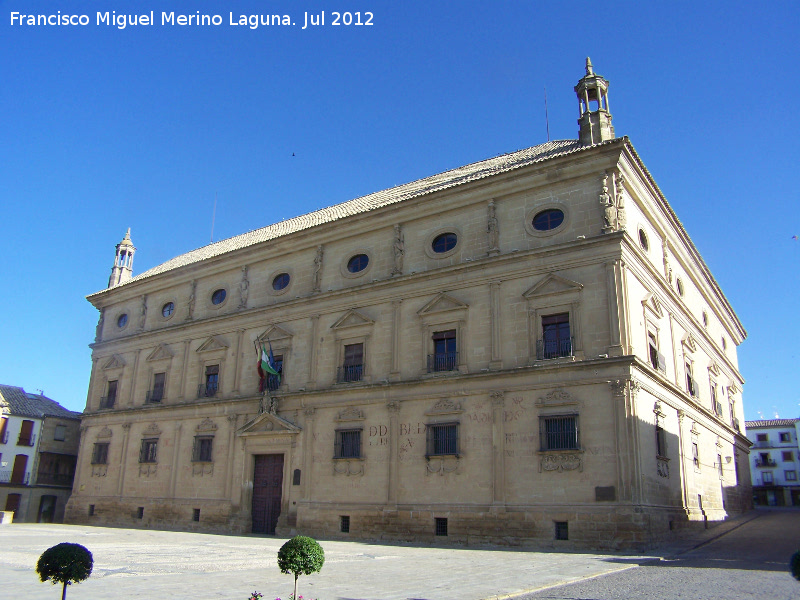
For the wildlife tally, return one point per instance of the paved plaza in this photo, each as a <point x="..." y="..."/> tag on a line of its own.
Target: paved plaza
<point x="133" y="563"/>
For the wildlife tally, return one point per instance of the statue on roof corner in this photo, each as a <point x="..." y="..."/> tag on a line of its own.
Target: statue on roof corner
<point x="609" y="208"/>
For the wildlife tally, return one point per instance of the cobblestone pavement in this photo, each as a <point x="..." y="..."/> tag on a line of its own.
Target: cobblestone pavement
<point x="147" y="564"/>
<point x="749" y="562"/>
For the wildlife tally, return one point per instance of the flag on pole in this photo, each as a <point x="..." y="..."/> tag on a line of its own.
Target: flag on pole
<point x="267" y="366"/>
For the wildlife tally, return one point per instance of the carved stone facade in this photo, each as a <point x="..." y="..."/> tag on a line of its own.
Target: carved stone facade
<point x="490" y="361"/>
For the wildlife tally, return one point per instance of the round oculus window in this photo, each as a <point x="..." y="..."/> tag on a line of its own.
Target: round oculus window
<point x="358" y="263"/>
<point x="444" y="242"/>
<point x="280" y="282"/>
<point x="548" y="219"/>
<point x="218" y="297"/>
<point x="122" y="320"/>
<point x="168" y="309"/>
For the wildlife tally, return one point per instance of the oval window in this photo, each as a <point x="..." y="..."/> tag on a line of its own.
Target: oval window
<point x="218" y="297"/>
<point x="444" y="242"/>
<point x="167" y="309"/>
<point x="122" y="320"/>
<point x="280" y="282"/>
<point x="548" y="219"/>
<point x="358" y="263"/>
<point x="643" y="240"/>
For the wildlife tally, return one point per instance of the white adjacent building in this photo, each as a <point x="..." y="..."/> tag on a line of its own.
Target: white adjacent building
<point x="775" y="458"/>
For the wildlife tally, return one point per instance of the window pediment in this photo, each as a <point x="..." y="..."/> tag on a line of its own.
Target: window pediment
<point x="352" y="318"/>
<point x="115" y="362"/>
<point x="350" y="414"/>
<point x="689" y="342"/>
<point x="268" y="423"/>
<point x="151" y="429"/>
<point x="207" y="425"/>
<point x="553" y="285"/>
<point x="275" y="333"/>
<point x="714" y="368"/>
<point x="160" y="352"/>
<point x="442" y="303"/>
<point x="213" y="343"/>
<point x="445" y="406"/>
<point x="653" y="304"/>
<point x="104" y="433"/>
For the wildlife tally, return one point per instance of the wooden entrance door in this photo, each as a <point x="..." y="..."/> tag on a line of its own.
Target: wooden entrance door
<point x="267" y="486"/>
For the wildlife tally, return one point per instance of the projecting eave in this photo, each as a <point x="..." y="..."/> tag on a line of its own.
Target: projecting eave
<point x="689" y="245"/>
<point x="372" y="202"/>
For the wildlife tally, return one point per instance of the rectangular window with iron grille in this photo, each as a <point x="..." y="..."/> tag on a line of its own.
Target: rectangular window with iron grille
<point x="157" y="393"/>
<point x="661" y="441"/>
<point x="440" y="525"/>
<point x="445" y="352"/>
<point x="559" y="432"/>
<point x="201" y="451"/>
<point x="212" y="381"/>
<point x="695" y="455"/>
<point x="347" y="444"/>
<point x="111" y="395"/>
<point x="148" y="453"/>
<point x="352" y="368"/>
<point x="100" y="454"/>
<point x="556" y="340"/>
<point x="442" y="439"/>
<point x="274" y="381"/>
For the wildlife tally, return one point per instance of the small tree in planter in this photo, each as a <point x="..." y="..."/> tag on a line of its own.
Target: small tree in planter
<point x="300" y="555"/>
<point x="65" y="563"/>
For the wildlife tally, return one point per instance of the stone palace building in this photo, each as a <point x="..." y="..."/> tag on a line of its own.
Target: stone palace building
<point x="526" y="350"/>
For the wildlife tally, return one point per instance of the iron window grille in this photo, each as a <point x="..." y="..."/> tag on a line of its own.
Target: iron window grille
<point x="100" y="453"/>
<point x="149" y="451"/>
<point x="445" y="355"/>
<point x="196" y="514"/>
<point x="352" y="368"/>
<point x="211" y="386"/>
<point x="562" y="530"/>
<point x="157" y="393"/>
<point x="441" y="525"/>
<point x="344" y="523"/>
<point x="274" y="381"/>
<point x="559" y="432"/>
<point x="347" y="443"/>
<point x="661" y="442"/>
<point x="442" y="439"/>
<point x="695" y="455"/>
<point x="110" y="398"/>
<point x="201" y="451"/>
<point x="556" y="341"/>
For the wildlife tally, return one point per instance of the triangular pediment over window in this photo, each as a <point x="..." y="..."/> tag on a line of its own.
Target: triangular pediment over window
<point x="213" y="343"/>
<point x="268" y="424"/>
<point x="352" y="318"/>
<point x="274" y="333"/>
<point x="159" y="353"/>
<point x="652" y="303"/>
<point x="553" y="285"/>
<point x="442" y="303"/>
<point x="713" y="368"/>
<point x="115" y="362"/>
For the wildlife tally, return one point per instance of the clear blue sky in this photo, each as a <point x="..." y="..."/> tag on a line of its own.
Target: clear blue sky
<point x="103" y="129"/>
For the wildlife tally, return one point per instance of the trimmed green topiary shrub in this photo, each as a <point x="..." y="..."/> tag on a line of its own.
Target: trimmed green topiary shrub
<point x="794" y="564"/>
<point x="65" y="563"/>
<point x="300" y="555"/>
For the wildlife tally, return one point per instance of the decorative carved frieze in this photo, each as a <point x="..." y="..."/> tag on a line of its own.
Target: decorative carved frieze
<point x="393" y="406"/>
<point x="442" y="465"/>
<point x="348" y="467"/>
<point x="152" y="429"/>
<point x="104" y="433"/>
<point x="557" y="397"/>
<point x="148" y="470"/>
<point x="202" y="469"/>
<point x="560" y="462"/>
<point x="207" y="425"/>
<point x="350" y="414"/>
<point x="99" y="470"/>
<point x="498" y="398"/>
<point x="445" y="406"/>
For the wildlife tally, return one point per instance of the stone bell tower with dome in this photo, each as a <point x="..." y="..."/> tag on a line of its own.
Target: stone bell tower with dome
<point x="122" y="270"/>
<point x="595" y="117"/>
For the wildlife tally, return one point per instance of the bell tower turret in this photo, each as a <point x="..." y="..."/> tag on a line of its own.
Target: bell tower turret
<point x="122" y="270"/>
<point x="595" y="118"/>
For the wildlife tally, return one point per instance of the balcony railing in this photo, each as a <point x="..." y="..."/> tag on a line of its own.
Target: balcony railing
<point x="107" y="401"/>
<point x="59" y="479"/>
<point x="443" y="361"/>
<point x="207" y="390"/>
<point x="7" y="477"/>
<point x="349" y="373"/>
<point x="547" y="349"/>
<point x="26" y="441"/>
<point x="154" y="396"/>
<point x="765" y="463"/>
<point x="273" y="382"/>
